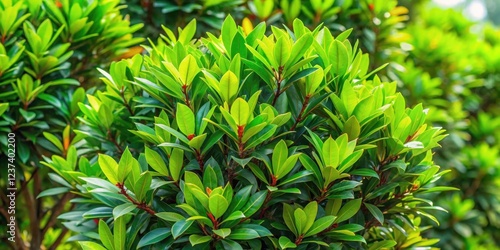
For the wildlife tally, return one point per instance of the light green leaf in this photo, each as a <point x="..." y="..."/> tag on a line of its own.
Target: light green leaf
<point x="217" y="205"/>
<point x="240" y="112"/>
<point x="105" y="235"/>
<point x="348" y="210"/>
<point x="280" y="154"/>
<point x="320" y="225"/>
<point x="196" y="239"/>
<point x="176" y="163"/>
<point x="120" y="233"/>
<point x="223" y="232"/>
<point x="109" y="167"/>
<point x="156" y="162"/>
<point x="286" y="243"/>
<point x="185" y="119"/>
<point x="229" y="85"/>
<point x="188" y="69"/>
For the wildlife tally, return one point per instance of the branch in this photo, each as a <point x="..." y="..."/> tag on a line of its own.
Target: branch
<point x="301" y="113"/>
<point x="278" y="76"/>
<point x="122" y="94"/>
<point x="186" y="96"/>
<point x="56" y="211"/>
<point x="113" y="140"/>
<point x="59" y="239"/>
<point x="24" y="184"/>
<point x="142" y="205"/>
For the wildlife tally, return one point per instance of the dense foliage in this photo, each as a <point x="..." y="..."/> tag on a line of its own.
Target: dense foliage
<point x="248" y="140"/>
<point x="47" y="48"/>
<point x="152" y="145"/>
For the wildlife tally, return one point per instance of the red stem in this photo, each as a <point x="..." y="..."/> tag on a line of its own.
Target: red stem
<point x="142" y="205"/>
<point x="301" y="113"/>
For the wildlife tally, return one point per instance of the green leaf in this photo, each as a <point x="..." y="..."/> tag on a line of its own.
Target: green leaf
<point x="281" y="51"/>
<point x="197" y="141"/>
<point x="210" y="178"/>
<point x="228" y="31"/>
<point x="154" y="236"/>
<point x="280" y="154"/>
<point x="180" y="227"/>
<point x="240" y="112"/>
<point x="176" y="163"/>
<point x="88" y="245"/>
<point x="123" y="209"/>
<point x="229" y="85"/>
<point x="53" y="191"/>
<point x="348" y="210"/>
<point x="286" y="243"/>
<point x="185" y="119"/>
<point x="52" y="138"/>
<point x="188" y="32"/>
<point x="375" y="211"/>
<point x="234" y="216"/>
<point x="385" y="244"/>
<point x="169" y="216"/>
<point x="320" y="225"/>
<point x="300" y="219"/>
<point x="254" y="204"/>
<point x="3" y="108"/>
<point x="109" y="167"/>
<point x="339" y="58"/>
<point x="156" y="161"/>
<point x="127" y="162"/>
<point x="142" y="186"/>
<point x="120" y="233"/>
<point x="218" y="205"/>
<point x="288" y="218"/>
<point x="310" y="210"/>
<point x="231" y="245"/>
<point x="188" y="69"/>
<point x="223" y="232"/>
<point x="331" y="153"/>
<point x="244" y="234"/>
<point x="196" y="239"/>
<point x="105" y="235"/>
<point x="368" y="172"/>
<point x="287" y="166"/>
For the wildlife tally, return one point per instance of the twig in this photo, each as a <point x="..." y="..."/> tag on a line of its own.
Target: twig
<point x="301" y="113"/>
<point x="142" y="205"/>
<point x="56" y="211"/>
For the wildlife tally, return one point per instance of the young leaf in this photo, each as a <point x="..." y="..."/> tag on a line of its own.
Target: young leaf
<point x="156" y="162"/>
<point x="218" y="205"/>
<point x="188" y="69"/>
<point x="240" y="112"/>
<point x="185" y="119"/>
<point x="109" y="167"/>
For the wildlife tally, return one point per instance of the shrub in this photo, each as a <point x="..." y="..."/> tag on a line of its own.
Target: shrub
<point x="248" y="140"/>
<point x="47" y="48"/>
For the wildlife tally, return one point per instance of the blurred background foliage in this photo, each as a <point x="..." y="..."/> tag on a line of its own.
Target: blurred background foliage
<point x="440" y="57"/>
<point x="47" y="50"/>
